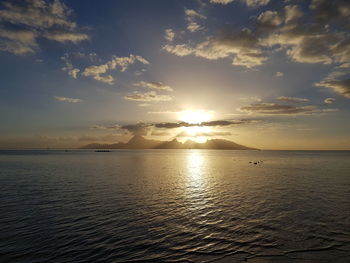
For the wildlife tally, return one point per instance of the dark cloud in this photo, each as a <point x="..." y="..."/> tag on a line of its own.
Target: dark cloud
<point x="143" y="128"/>
<point x="327" y="11"/>
<point x="137" y="129"/>
<point x="206" y="134"/>
<point x="341" y="87"/>
<point x="172" y="125"/>
<point x="277" y="109"/>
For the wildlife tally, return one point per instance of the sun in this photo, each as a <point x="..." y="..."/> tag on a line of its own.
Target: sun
<point x="195" y="117"/>
<point x="195" y="131"/>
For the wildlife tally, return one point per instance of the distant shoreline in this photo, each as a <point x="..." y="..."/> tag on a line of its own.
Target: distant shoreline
<point x="79" y="149"/>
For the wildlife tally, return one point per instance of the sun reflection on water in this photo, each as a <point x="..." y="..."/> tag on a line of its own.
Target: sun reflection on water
<point x="196" y="181"/>
<point x="195" y="163"/>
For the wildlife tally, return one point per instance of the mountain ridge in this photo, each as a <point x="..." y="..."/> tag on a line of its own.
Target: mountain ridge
<point x="139" y="142"/>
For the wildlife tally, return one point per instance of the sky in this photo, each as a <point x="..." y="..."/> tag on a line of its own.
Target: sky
<point x="269" y="74"/>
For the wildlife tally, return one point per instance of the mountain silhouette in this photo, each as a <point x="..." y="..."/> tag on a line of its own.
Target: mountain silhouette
<point x="139" y="142"/>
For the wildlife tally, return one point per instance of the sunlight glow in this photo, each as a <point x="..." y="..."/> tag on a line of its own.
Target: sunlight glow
<point x="195" y="165"/>
<point x="195" y="117"/>
<point x="197" y="133"/>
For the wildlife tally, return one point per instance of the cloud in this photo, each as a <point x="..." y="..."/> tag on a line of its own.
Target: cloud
<point x="270" y="19"/>
<point x="303" y="39"/>
<point x="338" y="81"/>
<point x="292" y="99"/>
<point x="73" y="72"/>
<point x="137" y="129"/>
<point x="160" y="133"/>
<point x="153" y="85"/>
<point x="173" y="125"/>
<point x="299" y="38"/>
<point x="292" y="14"/>
<point x="277" y="109"/>
<point x="251" y="3"/>
<point x="254" y="98"/>
<point x="206" y="134"/>
<point x="109" y="127"/>
<point x="144" y="105"/>
<point x="65" y="142"/>
<point x="190" y="13"/>
<point x="151" y="96"/>
<point x="279" y="74"/>
<point x="179" y="50"/>
<point x="159" y="129"/>
<point x="121" y="63"/>
<point x="66" y="99"/>
<point x="66" y="37"/>
<point x="345" y="65"/>
<point x="18" y="42"/>
<point x="329" y="100"/>
<point x="169" y="35"/>
<point x="223" y="2"/>
<point x="193" y="27"/>
<point x="342" y="87"/>
<point x="326" y="11"/>
<point x="192" y="17"/>
<point x="241" y="45"/>
<point x="23" y="22"/>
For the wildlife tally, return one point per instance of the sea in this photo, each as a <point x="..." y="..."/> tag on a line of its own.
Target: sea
<point x="174" y="206"/>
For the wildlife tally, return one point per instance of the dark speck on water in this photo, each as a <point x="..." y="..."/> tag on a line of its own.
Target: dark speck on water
<point x="174" y="206"/>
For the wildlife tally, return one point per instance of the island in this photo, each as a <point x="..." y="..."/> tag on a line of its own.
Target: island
<point x="139" y="142"/>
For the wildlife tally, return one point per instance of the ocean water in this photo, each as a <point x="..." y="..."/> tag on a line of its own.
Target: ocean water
<point x="174" y="206"/>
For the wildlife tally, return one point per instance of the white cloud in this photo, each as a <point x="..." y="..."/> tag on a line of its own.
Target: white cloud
<point x="192" y="18"/>
<point x="35" y="18"/>
<point x="251" y="3"/>
<point x="179" y="50"/>
<point x="304" y="41"/>
<point x="153" y="85"/>
<point x="329" y="100"/>
<point x="242" y="46"/>
<point x="292" y="99"/>
<point x="169" y="35"/>
<point x="18" y="42"/>
<point x="292" y="13"/>
<point x="66" y="37"/>
<point x="66" y="99"/>
<point x="270" y="18"/>
<point x="121" y="63"/>
<point x="193" y="26"/>
<point x="345" y="65"/>
<point x="254" y="98"/>
<point x="338" y="81"/>
<point x="151" y="96"/>
<point x="73" y="72"/>
<point x="194" y="14"/>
